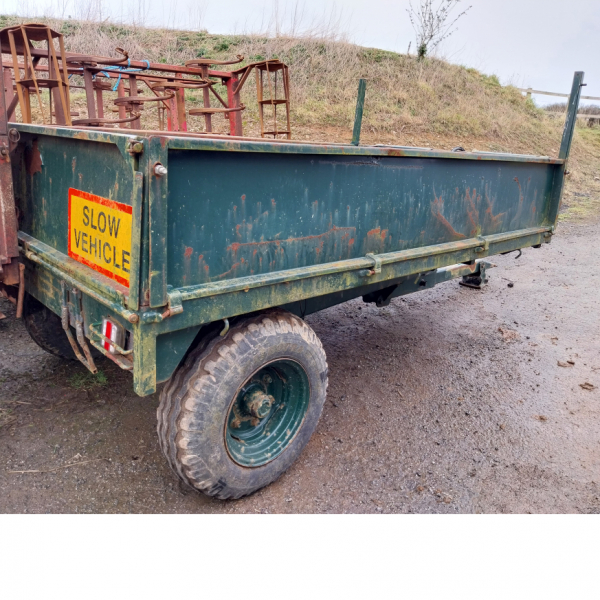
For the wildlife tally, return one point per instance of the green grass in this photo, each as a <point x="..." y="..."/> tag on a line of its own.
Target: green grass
<point x="87" y="380"/>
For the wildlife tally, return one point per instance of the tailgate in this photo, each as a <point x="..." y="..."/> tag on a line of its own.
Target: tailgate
<point x="79" y="196"/>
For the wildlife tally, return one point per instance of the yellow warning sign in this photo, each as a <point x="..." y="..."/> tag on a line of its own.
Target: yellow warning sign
<point x="100" y="234"/>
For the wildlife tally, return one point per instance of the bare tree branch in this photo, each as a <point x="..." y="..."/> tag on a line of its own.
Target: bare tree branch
<point x="433" y="22"/>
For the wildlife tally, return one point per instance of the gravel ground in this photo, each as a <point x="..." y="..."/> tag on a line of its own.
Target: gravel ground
<point x="449" y="400"/>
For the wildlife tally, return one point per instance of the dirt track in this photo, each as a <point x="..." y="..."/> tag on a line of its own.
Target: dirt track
<point x="450" y="400"/>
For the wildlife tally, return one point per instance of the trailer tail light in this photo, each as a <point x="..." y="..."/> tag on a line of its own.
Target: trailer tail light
<point x="115" y="333"/>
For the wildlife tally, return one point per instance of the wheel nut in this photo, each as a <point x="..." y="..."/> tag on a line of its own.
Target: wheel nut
<point x="259" y="404"/>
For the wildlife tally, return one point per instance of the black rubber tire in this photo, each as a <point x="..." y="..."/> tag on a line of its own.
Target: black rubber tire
<point x="195" y="402"/>
<point x="45" y="329"/>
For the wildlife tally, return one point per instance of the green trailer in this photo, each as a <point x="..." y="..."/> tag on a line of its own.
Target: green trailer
<point x="191" y="260"/>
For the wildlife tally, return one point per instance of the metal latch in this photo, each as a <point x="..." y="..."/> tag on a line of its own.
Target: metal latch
<point x="174" y="304"/>
<point x="376" y="266"/>
<point x="485" y="244"/>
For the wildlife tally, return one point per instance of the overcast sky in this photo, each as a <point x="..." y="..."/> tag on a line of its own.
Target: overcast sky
<point x="537" y="43"/>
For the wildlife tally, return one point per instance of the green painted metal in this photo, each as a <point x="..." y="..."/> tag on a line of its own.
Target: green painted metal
<point x="571" y="119"/>
<point x="286" y="147"/>
<point x="388" y="289"/>
<point x="171" y="348"/>
<point x="103" y="297"/>
<point x="236" y="226"/>
<point x="133" y="300"/>
<point x="157" y="221"/>
<point x="565" y="146"/>
<point x="295" y="210"/>
<point x="267" y="413"/>
<point x="360" y="105"/>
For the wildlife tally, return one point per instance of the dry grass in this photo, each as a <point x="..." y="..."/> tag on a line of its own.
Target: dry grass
<point x="410" y="102"/>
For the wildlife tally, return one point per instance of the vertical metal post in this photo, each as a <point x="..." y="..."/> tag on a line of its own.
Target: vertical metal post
<point x="555" y="199"/>
<point x="206" y="98"/>
<point x="6" y="81"/>
<point x="180" y="97"/>
<point x="9" y="248"/>
<point x="572" y="107"/>
<point x="133" y="92"/>
<point x="158" y="192"/>
<point x="233" y="101"/>
<point x="9" y="93"/>
<point x="144" y="359"/>
<point x="121" y="94"/>
<point x="99" y="102"/>
<point x="358" y="115"/>
<point x="88" y="83"/>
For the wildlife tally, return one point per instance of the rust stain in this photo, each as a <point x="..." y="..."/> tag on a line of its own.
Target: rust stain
<point x="35" y="159"/>
<point x="202" y="266"/>
<point x="521" y="197"/>
<point x="473" y="201"/>
<point x="436" y="210"/>
<point x="495" y="220"/>
<point x="188" y="251"/>
<point x="236" y="246"/>
<point x="395" y="152"/>
<point x="472" y="209"/>
<point x="521" y="200"/>
<point x="253" y="257"/>
<point x="230" y="272"/>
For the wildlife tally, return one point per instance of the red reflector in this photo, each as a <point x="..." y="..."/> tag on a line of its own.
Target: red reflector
<point x="115" y="333"/>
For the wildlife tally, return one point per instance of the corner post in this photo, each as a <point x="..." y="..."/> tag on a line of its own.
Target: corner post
<point x="9" y="245"/>
<point x="555" y="199"/>
<point x="358" y="115"/>
<point x="233" y="100"/>
<point x="144" y="359"/>
<point x="572" y="108"/>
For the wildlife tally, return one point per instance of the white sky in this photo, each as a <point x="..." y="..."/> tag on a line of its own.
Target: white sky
<point x="537" y="43"/>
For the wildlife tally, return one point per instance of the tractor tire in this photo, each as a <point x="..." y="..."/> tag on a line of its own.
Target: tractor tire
<point x="45" y="329"/>
<point x="240" y="409"/>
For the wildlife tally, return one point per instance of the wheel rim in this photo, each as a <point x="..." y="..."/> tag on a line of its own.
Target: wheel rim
<point x="267" y="413"/>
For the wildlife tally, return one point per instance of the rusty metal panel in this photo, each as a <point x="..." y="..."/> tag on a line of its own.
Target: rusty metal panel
<point x="237" y="214"/>
<point x="8" y="218"/>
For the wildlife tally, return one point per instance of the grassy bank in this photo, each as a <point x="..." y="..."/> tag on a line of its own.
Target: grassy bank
<point x="422" y="103"/>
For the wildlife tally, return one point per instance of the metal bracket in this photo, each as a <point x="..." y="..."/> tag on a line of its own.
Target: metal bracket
<point x="381" y="297"/>
<point x="71" y="307"/>
<point x="122" y="357"/>
<point x="376" y="266"/>
<point x="485" y="244"/>
<point x="174" y="304"/>
<point x="477" y="279"/>
<point x="174" y="307"/>
<point x="13" y="138"/>
<point x="135" y="147"/>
